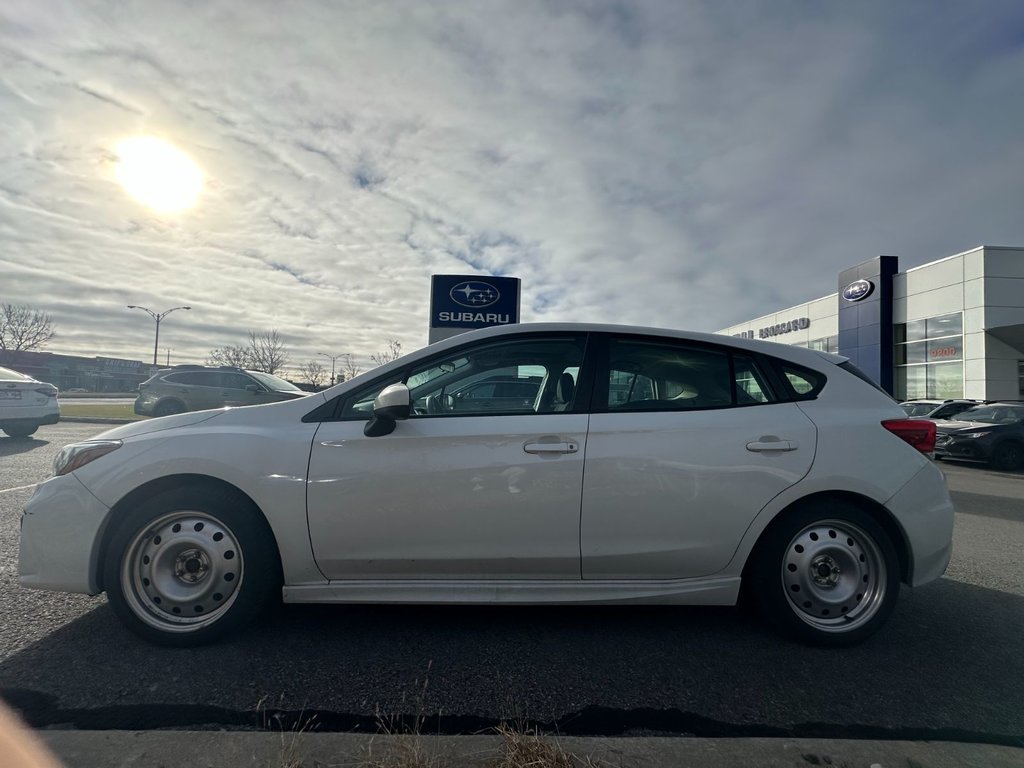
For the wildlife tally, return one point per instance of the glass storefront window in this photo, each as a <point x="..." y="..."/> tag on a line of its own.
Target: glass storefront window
<point x="912" y="353"/>
<point x="942" y="350"/>
<point x="915" y="330"/>
<point x="945" y="381"/>
<point x="911" y="383"/>
<point x="945" y="325"/>
<point x="928" y="354"/>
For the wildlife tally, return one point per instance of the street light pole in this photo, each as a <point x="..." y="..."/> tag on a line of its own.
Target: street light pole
<point x="333" y="358"/>
<point x="158" y="317"/>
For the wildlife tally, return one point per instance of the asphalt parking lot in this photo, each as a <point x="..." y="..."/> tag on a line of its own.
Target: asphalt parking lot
<point x="947" y="667"/>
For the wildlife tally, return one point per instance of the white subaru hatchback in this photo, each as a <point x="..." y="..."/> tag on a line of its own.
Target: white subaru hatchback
<point x="651" y="466"/>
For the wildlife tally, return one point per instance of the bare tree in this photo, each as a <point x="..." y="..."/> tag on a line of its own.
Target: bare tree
<point x="349" y="369"/>
<point x="23" y="328"/>
<point x="238" y="357"/>
<point x="393" y="352"/>
<point x="313" y="372"/>
<point x="269" y="354"/>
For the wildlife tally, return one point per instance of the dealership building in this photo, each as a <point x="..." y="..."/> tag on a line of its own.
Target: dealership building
<point x="948" y="329"/>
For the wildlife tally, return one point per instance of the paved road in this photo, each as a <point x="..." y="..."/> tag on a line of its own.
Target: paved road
<point x="948" y="665"/>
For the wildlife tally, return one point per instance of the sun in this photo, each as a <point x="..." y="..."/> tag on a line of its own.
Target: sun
<point x="158" y="174"/>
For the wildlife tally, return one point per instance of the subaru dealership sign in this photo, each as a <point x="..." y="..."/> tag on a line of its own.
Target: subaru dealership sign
<point x="463" y="302"/>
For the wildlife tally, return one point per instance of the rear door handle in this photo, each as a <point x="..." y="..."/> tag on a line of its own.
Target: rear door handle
<point x="548" y="448"/>
<point x="761" y="446"/>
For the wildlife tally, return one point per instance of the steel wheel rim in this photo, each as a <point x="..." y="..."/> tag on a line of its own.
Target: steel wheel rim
<point x="182" y="572"/>
<point x="834" y="575"/>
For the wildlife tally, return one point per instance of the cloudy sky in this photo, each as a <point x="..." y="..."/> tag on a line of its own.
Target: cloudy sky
<point x="678" y="164"/>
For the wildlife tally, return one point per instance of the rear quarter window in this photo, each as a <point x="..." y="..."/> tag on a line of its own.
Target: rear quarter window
<point x="799" y="383"/>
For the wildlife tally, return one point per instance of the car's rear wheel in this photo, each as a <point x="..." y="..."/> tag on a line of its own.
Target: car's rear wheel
<point x="189" y="566"/>
<point x="21" y="430"/>
<point x="168" y="408"/>
<point x="826" y="574"/>
<point x="1008" y="456"/>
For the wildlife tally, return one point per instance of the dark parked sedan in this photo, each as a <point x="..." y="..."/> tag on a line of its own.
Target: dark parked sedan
<point x="992" y="433"/>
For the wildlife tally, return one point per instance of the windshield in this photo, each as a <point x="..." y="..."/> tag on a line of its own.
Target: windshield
<point x="273" y="382"/>
<point x="918" y="409"/>
<point x="7" y="373"/>
<point x="993" y="414"/>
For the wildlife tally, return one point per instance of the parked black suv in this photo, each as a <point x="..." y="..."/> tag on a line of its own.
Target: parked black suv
<point x="993" y="433"/>
<point x="198" y="387"/>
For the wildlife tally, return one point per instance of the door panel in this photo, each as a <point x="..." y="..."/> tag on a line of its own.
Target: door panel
<point x="449" y="497"/>
<point x="670" y="494"/>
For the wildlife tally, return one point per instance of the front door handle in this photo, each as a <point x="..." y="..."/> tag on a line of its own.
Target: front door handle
<point x="549" y="448"/>
<point x="761" y="446"/>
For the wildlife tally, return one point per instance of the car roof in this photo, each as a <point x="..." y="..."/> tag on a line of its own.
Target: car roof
<point x="753" y="345"/>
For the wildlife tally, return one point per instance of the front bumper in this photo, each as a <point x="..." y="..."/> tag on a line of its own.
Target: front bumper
<point x="971" y="449"/>
<point x="924" y="511"/>
<point x="61" y="530"/>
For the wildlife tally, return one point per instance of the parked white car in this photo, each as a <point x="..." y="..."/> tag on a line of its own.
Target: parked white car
<point x="26" y="404"/>
<point x="654" y="467"/>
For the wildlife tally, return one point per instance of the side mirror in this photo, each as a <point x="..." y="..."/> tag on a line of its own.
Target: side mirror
<point x="393" y="404"/>
<point x="252" y="388"/>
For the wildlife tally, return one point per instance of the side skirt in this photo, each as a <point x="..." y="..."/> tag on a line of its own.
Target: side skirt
<point x="717" y="591"/>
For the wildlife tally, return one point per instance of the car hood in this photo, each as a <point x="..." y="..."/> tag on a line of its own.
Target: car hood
<point x="226" y="417"/>
<point x="952" y="426"/>
<point x="148" y="426"/>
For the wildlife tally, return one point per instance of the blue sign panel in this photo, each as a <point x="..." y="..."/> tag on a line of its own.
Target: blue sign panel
<point x="471" y="301"/>
<point x="865" y="318"/>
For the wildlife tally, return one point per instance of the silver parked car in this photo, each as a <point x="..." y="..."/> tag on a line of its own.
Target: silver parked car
<point x="650" y="466"/>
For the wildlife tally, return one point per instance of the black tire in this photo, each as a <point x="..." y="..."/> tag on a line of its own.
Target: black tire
<point x="21" y="430"/>
<point x="190" y="566"/>
<point x="169" y="408"/>
<point x="1008" y="456"/>
<point x="825" y="573"/>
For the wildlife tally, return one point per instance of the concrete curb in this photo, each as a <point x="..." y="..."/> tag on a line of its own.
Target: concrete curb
<point x="91" y="420"/>
<point x="169" y="749"/>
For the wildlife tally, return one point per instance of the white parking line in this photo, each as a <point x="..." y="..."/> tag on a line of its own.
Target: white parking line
<point x="19" y="488"/>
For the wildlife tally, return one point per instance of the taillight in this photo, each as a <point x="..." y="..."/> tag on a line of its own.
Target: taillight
<point x="48" y="391"/>
<point x="920" y="433"/>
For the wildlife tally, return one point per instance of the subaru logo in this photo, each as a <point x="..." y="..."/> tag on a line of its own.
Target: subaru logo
<point x="474" y="294"/>
<point x="858" y="289"/>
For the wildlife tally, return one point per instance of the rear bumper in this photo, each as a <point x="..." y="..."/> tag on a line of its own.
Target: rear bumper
<point x="38" y="415"/>
<point x="144" y="406"/>
<point x="61" y="529"/>
<point x="924" y="511"/>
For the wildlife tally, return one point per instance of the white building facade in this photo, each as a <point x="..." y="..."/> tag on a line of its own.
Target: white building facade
<point x="949" y="329"/>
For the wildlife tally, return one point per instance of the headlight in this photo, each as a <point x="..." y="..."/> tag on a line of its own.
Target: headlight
<point x="77" y="455"/>
<point x="972" y="434"/>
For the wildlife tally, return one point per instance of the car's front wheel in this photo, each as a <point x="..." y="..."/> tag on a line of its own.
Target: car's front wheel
<point x="1008" y="456"/>
<point x="826" y="574"/>
<point x="189" y="566"/>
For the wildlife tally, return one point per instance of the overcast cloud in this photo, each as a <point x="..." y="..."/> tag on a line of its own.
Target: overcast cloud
<point x="677" y="164"/>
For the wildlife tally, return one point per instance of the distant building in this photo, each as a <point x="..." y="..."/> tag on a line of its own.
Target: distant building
<point x="96" y="374"/>
<point x="948" y="329"/>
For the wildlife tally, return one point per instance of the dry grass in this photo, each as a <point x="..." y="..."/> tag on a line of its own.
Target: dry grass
<point x="289" y="751"/>
<point x="100" y="410"/>
<point x="402" y="744"/>
<point x="527" y="748"/>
